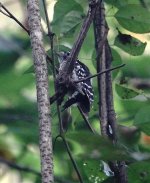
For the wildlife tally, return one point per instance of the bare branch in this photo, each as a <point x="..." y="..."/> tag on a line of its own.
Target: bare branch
<point x="14" y="18"/>
<point x="51" y="36"/>
<point x="72" y="159"/>
<point x="4" y="13"/>
<point x="41" y="73"/>
<point x="102" y="72"/>
<point x="10" y="15"/>
<point x="51" y="39"/>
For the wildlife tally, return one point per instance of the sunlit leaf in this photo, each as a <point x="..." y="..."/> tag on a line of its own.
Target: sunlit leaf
<point x="134" y="18"/>
<point x="130" y="44"/>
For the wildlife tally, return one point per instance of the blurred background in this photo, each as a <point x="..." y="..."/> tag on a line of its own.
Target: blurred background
<point x="19" y="151"/>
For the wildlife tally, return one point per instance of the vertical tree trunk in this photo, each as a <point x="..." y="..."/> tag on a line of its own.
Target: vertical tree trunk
<point x="41" y="72"/>
<point x="106" y="106"/>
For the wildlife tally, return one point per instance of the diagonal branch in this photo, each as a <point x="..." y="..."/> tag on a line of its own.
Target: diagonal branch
<point x="67" y="69"/>
<point x="86" y="120"/>
<point x="101" y="72"/>
<point x="10" y="15"/>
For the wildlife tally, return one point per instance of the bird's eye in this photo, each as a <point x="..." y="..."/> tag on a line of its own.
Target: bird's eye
<point x="68" y="53"/>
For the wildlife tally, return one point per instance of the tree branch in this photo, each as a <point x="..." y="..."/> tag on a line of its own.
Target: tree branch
<point x="100" y="31"/>
<point x="51" y="39"/>
<point x="67" y="69"/>
<point x="41" y="72"/>
<point x="86" y="120"/>
<point x="101" y="72"/>
<point x="12" y="16"/>
<point x="72" y="159"/>
<point x="106" y="107"/>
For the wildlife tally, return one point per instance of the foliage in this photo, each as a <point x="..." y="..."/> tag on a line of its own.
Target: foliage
<point x="18" y="111"/>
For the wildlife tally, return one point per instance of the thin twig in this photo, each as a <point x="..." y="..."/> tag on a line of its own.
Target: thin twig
<point x="70" y="155"/>
<point x="72" y="159"/>
<point x="10" y="15"/>
<point x="86" y="120"/>
<point x="51" y="36"/>
<point x="14" y="18"/>
<point x="99" y="73"/>
<point x="51" y="39"/>
<point x="55" y="140"/>
<point x="5" y="13"/>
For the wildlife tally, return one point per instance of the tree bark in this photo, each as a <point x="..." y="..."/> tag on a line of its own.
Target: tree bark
<point x="106" y="107"/>
<point x="41" y="73"/>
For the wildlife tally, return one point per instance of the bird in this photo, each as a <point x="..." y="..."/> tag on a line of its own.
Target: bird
<point x="82" y="94"/>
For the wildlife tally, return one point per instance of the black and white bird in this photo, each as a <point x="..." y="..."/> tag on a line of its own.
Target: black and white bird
<point x="82" y="94"/>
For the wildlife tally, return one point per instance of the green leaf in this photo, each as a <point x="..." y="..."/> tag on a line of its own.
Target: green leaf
<point x="142" y="119"/>
<point x="130" y="44"/>
<point x="70" y="22"/>
<point x="97" y="147"/>
<point x="62" y="7"/>
<point x="134" y="18"/>
<point x="124" y="92"/>
<point x="94" y="171"/>
<point x="66" y="16"/>
<point x="139" y="172"/>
